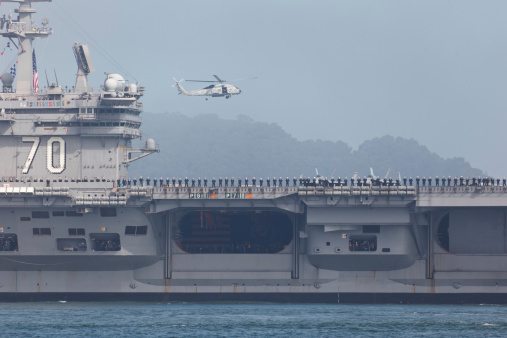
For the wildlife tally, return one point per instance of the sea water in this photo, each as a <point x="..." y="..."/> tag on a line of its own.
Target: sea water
<point x="126" y="319"/>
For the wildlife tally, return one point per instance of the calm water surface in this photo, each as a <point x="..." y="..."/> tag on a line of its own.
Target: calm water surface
<point x="250" y="320"/>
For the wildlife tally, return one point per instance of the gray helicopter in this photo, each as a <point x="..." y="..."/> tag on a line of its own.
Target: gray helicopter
<point x="218" y="89"/>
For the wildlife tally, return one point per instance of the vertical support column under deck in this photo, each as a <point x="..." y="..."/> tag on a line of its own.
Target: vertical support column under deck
<point x="429" y="259"/>
<point x="169" y="218"/>
<point x="295" y="249"/>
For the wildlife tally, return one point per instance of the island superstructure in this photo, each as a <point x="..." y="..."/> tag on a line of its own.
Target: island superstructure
<point x="75" y="226"/>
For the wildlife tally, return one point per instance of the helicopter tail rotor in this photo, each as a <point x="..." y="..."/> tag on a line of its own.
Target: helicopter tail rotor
<point x="176" y="82"/>
<point x="180" y="88"/>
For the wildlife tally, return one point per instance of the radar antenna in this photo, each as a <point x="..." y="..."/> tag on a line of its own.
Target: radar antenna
<point x="84" y="66"/>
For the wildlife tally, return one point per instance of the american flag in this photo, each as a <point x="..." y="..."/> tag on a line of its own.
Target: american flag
<point x="35" y="76"/>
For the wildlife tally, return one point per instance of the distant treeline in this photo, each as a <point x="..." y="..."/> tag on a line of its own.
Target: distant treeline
<point x="208" y="146"/>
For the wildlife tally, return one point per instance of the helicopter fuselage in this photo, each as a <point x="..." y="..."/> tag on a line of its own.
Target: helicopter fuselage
<point x="218" y="90"/>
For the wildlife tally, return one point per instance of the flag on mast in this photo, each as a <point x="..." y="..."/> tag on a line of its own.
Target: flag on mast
<point x="35" y="76"/>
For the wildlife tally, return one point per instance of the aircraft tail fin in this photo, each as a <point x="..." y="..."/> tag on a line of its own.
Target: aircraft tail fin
<point x="387" y="174"/>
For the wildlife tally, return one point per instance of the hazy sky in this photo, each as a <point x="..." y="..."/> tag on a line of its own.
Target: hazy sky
<point x="435" y="71"/>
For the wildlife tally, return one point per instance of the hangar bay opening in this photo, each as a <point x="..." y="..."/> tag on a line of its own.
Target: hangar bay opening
<point x="239" y="232"/>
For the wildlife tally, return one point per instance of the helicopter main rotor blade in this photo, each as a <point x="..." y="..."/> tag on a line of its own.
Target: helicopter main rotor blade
<point x="219" y="79"/>
<point x="200" y="81"/>
<point x="241" y="80"/>
<point x="222" y="81"/>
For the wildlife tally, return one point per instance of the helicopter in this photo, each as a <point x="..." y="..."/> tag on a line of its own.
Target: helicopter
<point x="219" y="89"/>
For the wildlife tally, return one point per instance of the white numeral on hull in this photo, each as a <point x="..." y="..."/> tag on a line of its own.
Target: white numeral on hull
<point x="49" y="154"/>
<point x="31" y="154"/>
<point x="60" y="157"/>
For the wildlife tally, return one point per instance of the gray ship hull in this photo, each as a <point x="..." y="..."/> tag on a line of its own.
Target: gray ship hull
<point x="415" y="252"/>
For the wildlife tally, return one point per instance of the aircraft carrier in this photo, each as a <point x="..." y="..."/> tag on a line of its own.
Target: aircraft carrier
<point x="75" y="226"/>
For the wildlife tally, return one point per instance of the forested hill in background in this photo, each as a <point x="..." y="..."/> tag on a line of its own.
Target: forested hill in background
<point x="207" y="146"/>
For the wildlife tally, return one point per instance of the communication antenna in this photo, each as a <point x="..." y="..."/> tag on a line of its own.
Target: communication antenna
<point x="56" y="77"/>
<point x="47" y="80"/>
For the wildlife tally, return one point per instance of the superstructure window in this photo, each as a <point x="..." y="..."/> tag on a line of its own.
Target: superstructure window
<point x="136" y="230"/>
<point x="41" y="231"/>
<point x="108" y="212"/>
<point x="40" y="214"/>
<point x="72" y="214"/>
<point x="117" y="111"/>
<point x="76" y="232"/>
<point x="71" y="244"/>
<point x="363" y="243"/>
<point x="8" y="242"/>
<point x="105" y="242"/>
<point x="58" y="213"/>
<point x="25" y="219"/>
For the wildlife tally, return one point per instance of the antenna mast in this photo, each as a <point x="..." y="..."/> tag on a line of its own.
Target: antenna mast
<point x="25" y="31"/>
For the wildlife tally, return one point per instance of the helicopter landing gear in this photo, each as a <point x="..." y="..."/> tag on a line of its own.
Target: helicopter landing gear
<point x="206" y="99"/>
<point x="228" y="97"/>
